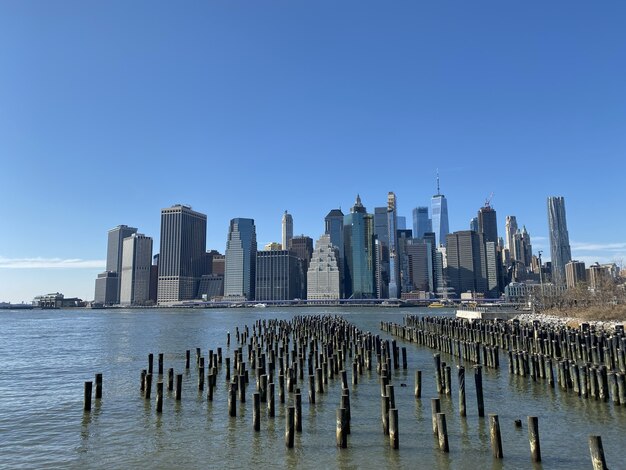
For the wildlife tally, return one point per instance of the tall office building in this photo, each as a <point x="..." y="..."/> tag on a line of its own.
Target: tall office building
<point x="522" y="248"/>
<point x="560" y="252"/>
<point x="302" y="247"/>
<point x="510" y="227"/>
<point x="473" y="225"/>
<point x="575" y="273"/>
<point x="439" y="210"/>
<point x="493" y="270"/>
<point x="136" y="270"/>
<point x="467" y="270"/>
<point x="287" y="230"/>
<point x="108" y="283"/>
<point x="487" y="223"/>
<point x="401" y="222"/>
<point x="381" y="252"/>
<point x="392" y="226"/>
<point x="182" y="254"/>
<point x="420" y="262"/>
<point x="323" y="276"/>
<point x="278" y="275"/>
<point x="404" y="237"/>
<point x="240" y="263"/>
<point x="333" y="226"/>
<point x="359" y="256"/>
<point x="421" y="222"/>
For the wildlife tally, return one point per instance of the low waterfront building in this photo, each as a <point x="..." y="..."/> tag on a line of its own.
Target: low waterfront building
<point x="57" y="300"/>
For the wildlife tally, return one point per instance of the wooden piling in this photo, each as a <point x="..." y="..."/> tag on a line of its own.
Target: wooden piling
<point x="478" y="380"/>
<point x="256" y="411"/>
<point x="442" y="431"/>
<point x="494" y="432"/>
<point x="160" y="363"/>
<point x="435" y="407"/>
<point x="597" y="453"/>
<point x="312" y="389"/>
<point x="384" y="404"/>
<point x="159" y="397"/>
<point x="232" y="400"/>
<point x="150" y="362"/>
<point x="404" y="363"/>
<point x="298" y="412"/>
<point x="87" y="396"/>
<point x="170" y="379"/>
<point x="289" y="427"/>
<point x="187" y="357"/>
<point x="148" y="388"/>
<point x="98" y="386"/>
<point x="462" y="407"/>
<point x="533" y="438"/>
<point x="341" y="434"/>
<point x="437" y="358"/>
<point x="418" y="384"/>
<point x="179" y="386"/>
<point x="270" y="400"/>
<point x="394" y="436"/>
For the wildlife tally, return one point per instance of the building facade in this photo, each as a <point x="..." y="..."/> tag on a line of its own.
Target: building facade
<point x="287" y="229"/>
<point x="466" y="262"/>
<point x="278" y="276"/>
<point x="421" y="222"/>
<point x="240" y="261"/>
<point x="575" y="273"/>
<point x="136" y="270"/>
<point x="182" y="254"/>
<point x="359" y="252"/>
<point x="439" y="211"/>
<point x="560" y="252"/>
<point x="324" y="274"/>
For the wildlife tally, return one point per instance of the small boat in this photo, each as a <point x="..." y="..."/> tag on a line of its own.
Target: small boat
<point x="436" y="305"/>
<point x="260" y="305"/>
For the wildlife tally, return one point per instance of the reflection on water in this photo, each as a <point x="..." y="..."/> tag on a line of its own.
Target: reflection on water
<point x="47" y="355"/>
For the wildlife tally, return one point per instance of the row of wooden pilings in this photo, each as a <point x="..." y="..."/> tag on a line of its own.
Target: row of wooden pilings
<point x="321" y="346"/>
<point x="462" y="339"/>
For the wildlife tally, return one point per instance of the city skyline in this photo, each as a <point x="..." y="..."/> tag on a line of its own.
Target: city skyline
<point x="102" y="103"/>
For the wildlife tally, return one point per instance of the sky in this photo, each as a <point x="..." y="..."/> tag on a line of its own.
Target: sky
<point x="111" y="111"/>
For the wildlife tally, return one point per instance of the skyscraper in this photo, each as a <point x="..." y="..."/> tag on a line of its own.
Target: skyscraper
<point x="182" y="255"/>
<point x="473" y="225"/>
<point x="287" y="230"/>
<point x="560" y="252"/>
<point x="108" y="283"/>
<point x="510" y="228"/>
<point x="359" y="257"/>
<point x="421" y="222"/>
<point x="333" y="226"/>
<point x="487" y="223"/>
<point x="240" y="264"/>
<point x="439" y="210"/>
<point x="323" y="276"/>
<point x="278" y="275"/>
<point x="136" y="268"/>
<point x="467" y="270"/>
<point x="392" y="226"/>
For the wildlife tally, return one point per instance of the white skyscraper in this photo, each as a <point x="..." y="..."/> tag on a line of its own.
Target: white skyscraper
<point x="323" y="276"/>
<point x="287" y="230"/>
<point x="136" y="265"/>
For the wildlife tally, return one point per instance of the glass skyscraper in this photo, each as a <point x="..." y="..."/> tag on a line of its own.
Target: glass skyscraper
<point x="359" y="265"/>
<point x="240" y="264"/>
<point x="421" y="222"/>
<point x="560" y="252"/>
<point x="439" y="208"/>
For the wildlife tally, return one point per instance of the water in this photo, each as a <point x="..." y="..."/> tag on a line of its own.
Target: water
<point x="46" y="356"/>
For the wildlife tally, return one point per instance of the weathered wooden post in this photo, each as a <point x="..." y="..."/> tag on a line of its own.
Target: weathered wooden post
<point x="318" y="380"/>
<point x="201" y="379"/>
<point x="256" y="411"/>
<point x="462" y="408"/>
<point x="160" y="363"/>
<point x="87" y="396"/>
<point x="597" y="453"/>
<point x="241" y="386"/>
<point x="148" y="388"/>
<point x="170" y="379"/>
<point x="404" y="363"/>
<point x="437" y="358"/>
<point x="150" y="362"/>
<point x="270" y="400"/>
<point x="232" y="400"/>
<point x="289" y="427"/>
<point x="355" y="379"/>
<point x="394" y="436"/>
<point x="435" y="407"/>
<point x="298" y="412"/>
<point x="228" y="369"/>
<point x="384" y="403"/>
<point x="179" y="386"/>
<point x="143" y="381"/>
<point x="494" y="432"/>
<point x="312" y="389"/>
<point x="448" y="380"/>
<point x="533" y="438"/>
<point x="345" y="404"/>
<point x="187" y="357"/>
<point x="98" y="386"/>
<point x="418" y="384"/>
<point x="442" y="431"/>
<point x="478" y="379"/>
<point x="159" y="397"/>
<point x="341" y="434"/>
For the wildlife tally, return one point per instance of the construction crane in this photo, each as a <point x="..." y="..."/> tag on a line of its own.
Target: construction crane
<point x="488" y="200"/>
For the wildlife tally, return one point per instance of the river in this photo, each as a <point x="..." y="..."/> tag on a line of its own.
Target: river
<point x="47" y="355"/>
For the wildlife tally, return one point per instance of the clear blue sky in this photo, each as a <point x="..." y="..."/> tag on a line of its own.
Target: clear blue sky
<point x="110" y="111"/>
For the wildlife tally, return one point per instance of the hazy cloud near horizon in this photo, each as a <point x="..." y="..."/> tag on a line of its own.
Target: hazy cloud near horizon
<point x="47" y="263"/>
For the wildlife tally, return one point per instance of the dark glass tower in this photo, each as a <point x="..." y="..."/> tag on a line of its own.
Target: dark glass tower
<point x="359" y="256"/>
<point x="487" y="223"/>
<point x="240" y="263"/>
<point x="439" y="209"/>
